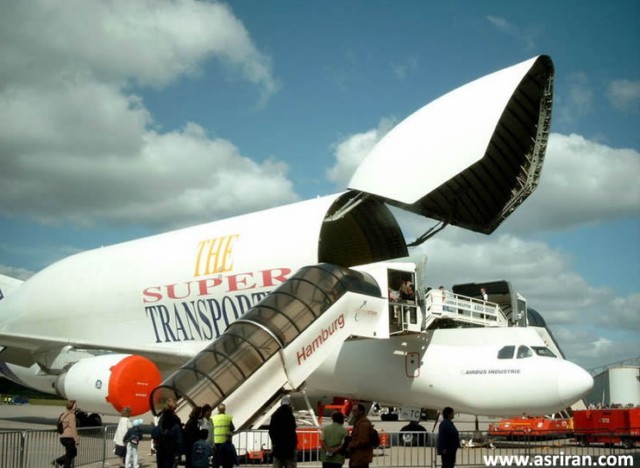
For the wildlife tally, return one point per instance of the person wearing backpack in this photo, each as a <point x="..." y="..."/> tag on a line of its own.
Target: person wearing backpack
<point x="69" y="435"/>
<point x="132" y="439"/>
<point x="361" y="446"/>
<point x="201" y="450"/>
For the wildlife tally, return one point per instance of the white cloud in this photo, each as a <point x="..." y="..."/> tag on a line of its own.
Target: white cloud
<point x="149" y="42"/>
<point x="350" y="152"/>
<point x="74" y="116"/>
<point x="171" y="179"/>
<point x="502" y="25"/>
<point x="580" y="93"/>
<point x="583" y="182"/>
<point x="76" y="144"/>
<point x="624" y="94"/>
<point x="622" y="312"/>
<point x="200" y="179"/>
<point x="577" y="100"/>
<point x="589" y="348"/>
<point x="402" y="69"/>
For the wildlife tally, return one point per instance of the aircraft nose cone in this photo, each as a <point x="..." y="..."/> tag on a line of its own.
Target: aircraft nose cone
<point x="574" y="383"/>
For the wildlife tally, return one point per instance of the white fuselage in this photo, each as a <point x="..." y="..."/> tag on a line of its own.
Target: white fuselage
<point x="168" y="296"/>
<point x="456" y="367"/>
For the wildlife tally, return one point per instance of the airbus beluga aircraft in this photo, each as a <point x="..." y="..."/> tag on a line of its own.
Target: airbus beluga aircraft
<point x="303" y="297"/>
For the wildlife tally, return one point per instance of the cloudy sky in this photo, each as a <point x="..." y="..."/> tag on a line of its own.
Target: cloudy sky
<point x="120" y="119"/>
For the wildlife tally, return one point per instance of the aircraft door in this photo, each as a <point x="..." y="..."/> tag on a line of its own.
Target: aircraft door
<point x="403" y="308"/>
<point x="412" y="364"/>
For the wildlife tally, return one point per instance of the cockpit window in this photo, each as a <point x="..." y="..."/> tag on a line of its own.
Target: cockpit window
<point x="524" y="352"/>
<point x="506" y="352"/>
<point x="543" y="351"/>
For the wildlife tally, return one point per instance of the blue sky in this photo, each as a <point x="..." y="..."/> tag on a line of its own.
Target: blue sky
<point x="120" y="119"/>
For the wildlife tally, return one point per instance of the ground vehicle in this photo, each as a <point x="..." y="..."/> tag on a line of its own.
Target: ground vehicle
<point x="530" y="427"/>
<point x="607" y="426"/>
<point x="18" y="400"/>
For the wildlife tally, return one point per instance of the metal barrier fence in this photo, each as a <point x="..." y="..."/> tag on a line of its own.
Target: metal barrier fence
<point x="417" y="449"/>
<point x="36" y="448"/>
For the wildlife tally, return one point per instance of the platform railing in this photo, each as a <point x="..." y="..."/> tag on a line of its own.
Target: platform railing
<point x="445" y="304"/>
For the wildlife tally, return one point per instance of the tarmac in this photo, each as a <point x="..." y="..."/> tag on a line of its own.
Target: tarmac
<point x="43" y="417"/>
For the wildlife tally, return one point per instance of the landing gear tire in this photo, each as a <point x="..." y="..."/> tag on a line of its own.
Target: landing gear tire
<point x="88" y="420"/>
<point x="94" y="420"/>
<point x="408" y="439"/>
<point x="414" y="435"/>
<point x="389" y="417"/>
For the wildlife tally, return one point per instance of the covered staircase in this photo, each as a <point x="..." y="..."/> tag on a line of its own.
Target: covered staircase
<point x="274" y="347"/>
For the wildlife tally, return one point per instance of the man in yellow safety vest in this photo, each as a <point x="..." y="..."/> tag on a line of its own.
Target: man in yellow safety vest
<point x="222" y="425"/>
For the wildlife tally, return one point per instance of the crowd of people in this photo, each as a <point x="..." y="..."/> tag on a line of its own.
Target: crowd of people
<point x="205" y="440"/>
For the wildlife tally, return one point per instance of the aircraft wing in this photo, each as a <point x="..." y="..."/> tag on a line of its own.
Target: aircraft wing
<point x="470" y="157"/>
<point x="26" y="350"/>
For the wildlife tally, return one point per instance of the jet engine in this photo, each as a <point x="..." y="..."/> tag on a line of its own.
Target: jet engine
<point x="110" y="382"/>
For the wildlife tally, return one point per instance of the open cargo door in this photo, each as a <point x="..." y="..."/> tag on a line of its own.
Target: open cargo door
<point x="470" y="157"/>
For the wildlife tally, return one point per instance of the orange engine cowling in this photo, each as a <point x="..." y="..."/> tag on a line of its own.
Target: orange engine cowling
<point x="106" y="384"/>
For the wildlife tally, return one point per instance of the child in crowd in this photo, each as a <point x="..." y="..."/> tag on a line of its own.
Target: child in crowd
<point x="201" y="450"/>
<point x="132" y="438"/>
